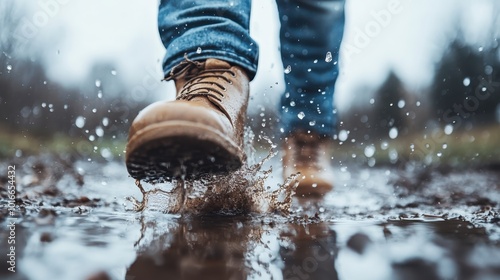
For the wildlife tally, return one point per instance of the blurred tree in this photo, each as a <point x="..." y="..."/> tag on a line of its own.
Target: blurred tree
<point x="31" y="104"/>
<point x="390" y="99"/>
<point x="466" y="87"/>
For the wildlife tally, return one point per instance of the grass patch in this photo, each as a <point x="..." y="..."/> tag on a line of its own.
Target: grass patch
<point x="17" y="143"/>
<point x="477" y="146"/>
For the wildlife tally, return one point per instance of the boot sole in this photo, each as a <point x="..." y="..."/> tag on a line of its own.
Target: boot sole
<point x="180" y="149"/>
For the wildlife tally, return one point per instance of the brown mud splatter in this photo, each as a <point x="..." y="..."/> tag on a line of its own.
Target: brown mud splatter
<point x="240" y="192"/>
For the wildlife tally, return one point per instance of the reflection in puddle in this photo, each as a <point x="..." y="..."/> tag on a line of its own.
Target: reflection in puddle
<point x="237" y="247"/>
<point x="274" y="247"/>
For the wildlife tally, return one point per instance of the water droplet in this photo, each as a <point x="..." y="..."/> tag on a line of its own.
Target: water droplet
<point x="439" y="154"/>
<point x="301" y="115"/>
<point x="309" y="70"/>
<point x="328" y="57"/>
<point x="94" y="110"/>
<point x="91" y="138"/>
<point x="315" y="61"/>
<point x="105" y="121"/>
<point x="99" y="94"/>
<point x="401" y="104"/>
<point x="198" y="50"/>
<point x="448" y="129"/>
<point x="369" y="151"/>
<point x="480" y="49"/>
<point x="288" y="69"/>
<point x="312" y="123"/>
<point x="292" y="103"/>
<point x="113" y="72"/>
<point x="372" y="101"/>
<point x="343" y="134"/>
<point x="44" y="105"/>
<point x="466" y="81"/>
<point x="80" y="122"/>
<point x="97" y="83"/>
<point x="99" y="131"/>
<point x="393" y="155"/>
<point x="393" y="133"/>
<point x="418" y="103"/>
<point x="488" y="70"/>
<point x="9" y="67"/>
<point x="106" y="153"/>
<point x="445" y="146"/>
<point x="384" y="145"/>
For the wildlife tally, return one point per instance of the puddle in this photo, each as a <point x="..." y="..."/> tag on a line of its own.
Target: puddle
<point x="74" y="221"/>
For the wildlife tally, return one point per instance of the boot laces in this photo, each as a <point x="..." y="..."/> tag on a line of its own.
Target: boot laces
<point x="201" y="82"/>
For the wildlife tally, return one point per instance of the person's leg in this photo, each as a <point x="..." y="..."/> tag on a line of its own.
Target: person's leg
<point x="311" y="34"/>
<point x="201" y="29"/>
<point x="211" y="58"/>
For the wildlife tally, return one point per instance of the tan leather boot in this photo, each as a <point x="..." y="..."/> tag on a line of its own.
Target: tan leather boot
<point x="310" y="155"/>
<point x="200" y="132"/>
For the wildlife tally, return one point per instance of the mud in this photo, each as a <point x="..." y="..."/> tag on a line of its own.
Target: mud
<point x="89" y="220"/>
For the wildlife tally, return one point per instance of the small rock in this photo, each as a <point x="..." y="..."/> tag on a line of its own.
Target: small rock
<point x="46" y="237"/>
<point x="99" y="276"/>
<point x="359" y="242"/>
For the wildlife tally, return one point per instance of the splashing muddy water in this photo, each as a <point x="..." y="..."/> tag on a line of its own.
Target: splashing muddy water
<point x="240" y="192"/>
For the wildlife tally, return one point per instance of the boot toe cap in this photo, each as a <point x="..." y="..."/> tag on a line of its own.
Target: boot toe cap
<point x="162" y="111"/>
<point x="313" y="184"/>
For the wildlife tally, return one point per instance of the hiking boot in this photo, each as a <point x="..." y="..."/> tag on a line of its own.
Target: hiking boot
<point x="200" y="132"/>
<point x="309" y="154"/>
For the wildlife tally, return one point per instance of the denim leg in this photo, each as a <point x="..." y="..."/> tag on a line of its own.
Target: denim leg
<point x="204" y="29"/>
<point x="311" y="33"/>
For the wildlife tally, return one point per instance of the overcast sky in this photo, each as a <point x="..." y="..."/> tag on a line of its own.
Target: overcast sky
<point x="79" y="33"/>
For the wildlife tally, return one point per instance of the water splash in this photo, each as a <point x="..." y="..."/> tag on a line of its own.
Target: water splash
<point x="328" y="57"/>
<point x="240" y="192"/>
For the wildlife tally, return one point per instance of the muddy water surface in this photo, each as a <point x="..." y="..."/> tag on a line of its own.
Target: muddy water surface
<point x="80" y="221"/>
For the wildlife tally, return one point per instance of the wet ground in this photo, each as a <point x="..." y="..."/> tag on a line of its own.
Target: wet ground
<point x="79" y="220"/>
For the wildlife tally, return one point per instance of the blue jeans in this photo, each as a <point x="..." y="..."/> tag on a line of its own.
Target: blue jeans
<point x="311" y="33"/>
